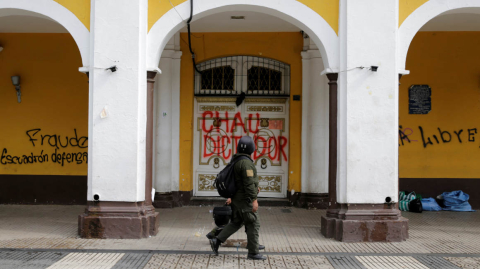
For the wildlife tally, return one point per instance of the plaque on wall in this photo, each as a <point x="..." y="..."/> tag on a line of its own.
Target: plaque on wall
<point x="419" y="99"/>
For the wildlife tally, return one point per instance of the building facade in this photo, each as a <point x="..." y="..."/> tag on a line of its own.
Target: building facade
<point x="117" y="105"/>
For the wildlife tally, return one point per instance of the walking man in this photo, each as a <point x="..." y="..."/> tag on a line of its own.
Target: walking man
<point x="244" y="202"/>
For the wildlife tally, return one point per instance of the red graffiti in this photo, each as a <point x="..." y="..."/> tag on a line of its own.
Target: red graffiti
<point x="219" y="138"/>
<point x="282" y="144"/>
<point x="204" y="117"/>
<point x="250" y="119"/>
<point x="238" y="117"/>
<point x="261" y="145"/>
<point x="274" y="147"/>
<point x="272" y="143"/>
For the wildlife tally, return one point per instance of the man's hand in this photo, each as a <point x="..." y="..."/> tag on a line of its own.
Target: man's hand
<point x="229" y="201"/>
<point x="255" y="206"/>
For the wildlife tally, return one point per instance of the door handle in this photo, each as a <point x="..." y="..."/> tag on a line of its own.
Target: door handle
<point x="264" y="164"/>
<point x="216" y="163"/>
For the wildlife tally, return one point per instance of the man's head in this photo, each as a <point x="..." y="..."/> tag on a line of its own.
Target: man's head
<point x="246" y="145"/>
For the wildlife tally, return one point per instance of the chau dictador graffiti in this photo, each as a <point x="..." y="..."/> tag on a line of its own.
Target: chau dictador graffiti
<point x="224" y="131"/>
<point x="53" y="148"/>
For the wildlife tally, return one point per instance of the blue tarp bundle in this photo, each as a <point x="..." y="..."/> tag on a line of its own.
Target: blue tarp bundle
<point x="429" y="204"/>
<point x="456" y="201"/>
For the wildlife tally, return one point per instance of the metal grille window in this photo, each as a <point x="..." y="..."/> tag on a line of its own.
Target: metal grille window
<point x="264" y="79"/>
<point x="218" y="78"/>
<point x="233" y="75"/>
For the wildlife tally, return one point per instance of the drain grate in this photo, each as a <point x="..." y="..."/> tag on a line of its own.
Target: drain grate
<point x="286" y="210"/>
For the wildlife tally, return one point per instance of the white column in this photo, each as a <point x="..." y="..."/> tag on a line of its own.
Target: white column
<point x="116" y="168"/>
<point x="368" y="102"/>
<point x="314" y="124"/>
<point x="175" y="167"/>
<point x="167" y="100"/>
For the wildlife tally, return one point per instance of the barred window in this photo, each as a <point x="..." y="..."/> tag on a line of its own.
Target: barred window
<point x="218" y="78"/>
<point x="264" y="79"/>
<point x="232" y="75"/>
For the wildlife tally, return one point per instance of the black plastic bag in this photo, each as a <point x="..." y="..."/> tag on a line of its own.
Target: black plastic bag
<point x="416" y="206"/>
<point x="222" y="215"/>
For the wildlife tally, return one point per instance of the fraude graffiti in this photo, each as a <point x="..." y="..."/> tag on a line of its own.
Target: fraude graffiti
<point x="49" y="148"/>
<point x="56" y="140"/>
<point x="220" y="133"/>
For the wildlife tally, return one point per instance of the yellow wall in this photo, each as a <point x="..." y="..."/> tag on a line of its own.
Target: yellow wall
<point x="81" y="9"/>
<point x="328" y="9"/>
<point x="54" y="99"/>
<point x="285" y="47"/>
<point x="407" y="7"/>
<point x="158" y="8"/>
<point x="448" y="62"/>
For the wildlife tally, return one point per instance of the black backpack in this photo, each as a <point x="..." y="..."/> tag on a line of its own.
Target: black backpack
<point x="225" y="181"/>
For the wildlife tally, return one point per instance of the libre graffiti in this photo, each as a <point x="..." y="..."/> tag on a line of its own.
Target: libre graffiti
<point x="437" y="137"/>
<point x="225" y="131"/>
<point x="55" y="141"/>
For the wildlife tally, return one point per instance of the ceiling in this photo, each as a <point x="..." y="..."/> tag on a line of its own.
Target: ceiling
<point x="21" y="21"/>
<point x="253" y="22"/>
<point x="454" y="22"/>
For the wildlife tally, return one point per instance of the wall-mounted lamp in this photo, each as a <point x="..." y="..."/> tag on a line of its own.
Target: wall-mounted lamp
<point x="16" y="83"/>
<point x="374" y="68"/>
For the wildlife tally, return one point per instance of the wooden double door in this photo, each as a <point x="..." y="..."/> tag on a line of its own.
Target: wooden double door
<point x="219" y="124"/>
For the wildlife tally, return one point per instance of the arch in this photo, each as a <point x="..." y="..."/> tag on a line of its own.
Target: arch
<point x="424" y="14"/>
<point x="60" y="14"/>
<point x="291" y="11"/>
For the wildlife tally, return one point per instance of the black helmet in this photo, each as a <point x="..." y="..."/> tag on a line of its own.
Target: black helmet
<point x="246" y="145"/>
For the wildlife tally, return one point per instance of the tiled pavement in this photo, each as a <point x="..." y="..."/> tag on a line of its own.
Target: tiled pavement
<point x="45" y="237"/>
<point x="149" y="260"/>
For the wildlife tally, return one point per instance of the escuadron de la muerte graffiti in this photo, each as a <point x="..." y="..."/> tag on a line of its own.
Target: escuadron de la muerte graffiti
<point x="67" y="149"/>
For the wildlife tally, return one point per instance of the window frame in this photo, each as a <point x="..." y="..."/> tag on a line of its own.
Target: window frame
<point x="240" y="65"/>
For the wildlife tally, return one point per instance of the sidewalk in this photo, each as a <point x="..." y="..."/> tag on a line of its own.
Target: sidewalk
<point x="162" y="259"/>
<point x="291" y="236"/>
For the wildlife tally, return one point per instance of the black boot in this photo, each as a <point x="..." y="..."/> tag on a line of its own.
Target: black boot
<point x="215" y="244"/>
<point x="210" y="235"/>
<point x="258" y="257"/>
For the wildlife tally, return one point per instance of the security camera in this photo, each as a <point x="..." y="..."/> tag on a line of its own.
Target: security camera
<point x="112" y="68"/>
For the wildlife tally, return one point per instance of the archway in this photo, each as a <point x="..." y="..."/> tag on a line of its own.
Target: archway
<point x="317" y="57"/>
<point x="438" y="99"/>
<point x="44" y="139"/>
<point x="58" y="13"/>
<point x="424" y="14"/>
<point x="291" y="11"/>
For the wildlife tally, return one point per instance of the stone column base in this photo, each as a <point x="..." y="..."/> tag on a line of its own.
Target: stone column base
<point x="309" y="200"/>
<point x="172" y="199"/>
<point x="365" y="223"/>
<point x="118" y="220"/>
